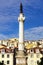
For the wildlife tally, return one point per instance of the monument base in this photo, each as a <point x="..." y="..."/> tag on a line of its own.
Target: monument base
<point x="20" y="58"/>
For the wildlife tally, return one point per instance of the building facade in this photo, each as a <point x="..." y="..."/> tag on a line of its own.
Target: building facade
<point x="6" y="56"/>
<point x="34" y="55"/>
<point x="33" y="52"/>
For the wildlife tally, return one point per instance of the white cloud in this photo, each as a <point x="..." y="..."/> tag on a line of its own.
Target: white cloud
<point x="8" y="3"/>
<point x="4" y="37"/>
<point x="34" y="33"/>
<point x="7" y="18"/>
<point x="10" y="7"/>
<point x="9" y="11"/>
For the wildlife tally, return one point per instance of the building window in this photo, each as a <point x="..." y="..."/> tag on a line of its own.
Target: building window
<point x="2" y="55"/>
<point x="8" y="62"/>
<point x="37" y="50"/>
<point x="37" y="55"/>
<point x="31" y="51"/>
<point x="7" y="43"/>
<point x="32" y="62"/>
<point x="37" y="61"/>
<point x="3" y="51"/>
<point x="32" y="55"/>
<point x="3" y="61"/>
<point x="7" y="55"/>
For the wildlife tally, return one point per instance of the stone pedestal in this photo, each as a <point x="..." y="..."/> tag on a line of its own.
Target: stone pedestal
<point x="20" y="58"/>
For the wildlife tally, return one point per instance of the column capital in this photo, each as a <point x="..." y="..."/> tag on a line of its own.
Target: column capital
<point x="21" y="17"/>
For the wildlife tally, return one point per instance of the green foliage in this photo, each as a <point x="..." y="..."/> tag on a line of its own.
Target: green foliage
<point x="1" y="63"/>
<point x="41" y="63"/>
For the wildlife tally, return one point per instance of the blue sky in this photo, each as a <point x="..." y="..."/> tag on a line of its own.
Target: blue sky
<point x="33" y="25"/>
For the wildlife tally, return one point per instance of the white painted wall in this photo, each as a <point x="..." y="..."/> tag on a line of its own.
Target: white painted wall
<point x="6" y="59"/>
<point x="34" y="59"/>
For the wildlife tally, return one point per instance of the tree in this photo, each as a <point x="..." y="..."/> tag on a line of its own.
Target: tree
<point x="1" y="63"/>
<point x="40" y="63"/>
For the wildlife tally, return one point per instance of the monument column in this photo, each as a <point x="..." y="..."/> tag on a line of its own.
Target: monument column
<point x="20" y="57"/>
<point x="21" y="19"/>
